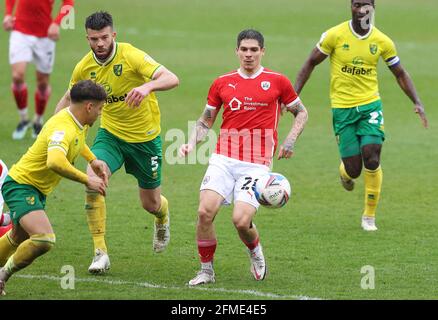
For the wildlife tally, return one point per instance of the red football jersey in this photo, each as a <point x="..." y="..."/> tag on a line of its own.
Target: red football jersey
<point x="252" y="107"/>
<point x="33" y="17"/>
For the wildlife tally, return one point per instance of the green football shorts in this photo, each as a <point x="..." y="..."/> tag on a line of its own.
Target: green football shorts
<point x="22" y="199"/>
<point x="142" y="160"/>
<point x="358" y="126"/>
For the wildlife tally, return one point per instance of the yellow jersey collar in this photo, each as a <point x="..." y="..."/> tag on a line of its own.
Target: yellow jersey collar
<point x="109" y="59"/>
<point x="74" y="119"/>
<point x="350" y="23"/>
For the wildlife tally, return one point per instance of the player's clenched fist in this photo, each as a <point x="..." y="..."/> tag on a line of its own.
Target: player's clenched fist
<point x="8" y="23"/>
<point x="96" y="184"/>
<point x="136" y="96"/>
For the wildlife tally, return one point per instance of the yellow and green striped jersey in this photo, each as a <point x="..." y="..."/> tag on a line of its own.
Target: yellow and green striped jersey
<point x="63" y="131"/>
<point x="126" y="69"/>
<point x="354" y="61"/>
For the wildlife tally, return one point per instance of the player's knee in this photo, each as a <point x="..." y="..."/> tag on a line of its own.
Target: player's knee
<point x="372" y="163"/>
<point x="18" y="78"/>
<point x="43" y="242"/>
<point x="241" y="225"/>
<point x="152" y="205"/>
<point x="205" y="216"/>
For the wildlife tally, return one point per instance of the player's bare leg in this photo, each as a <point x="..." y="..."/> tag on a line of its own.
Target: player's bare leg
<point x="41" y="239"/>
<point x="95" y="208"/>
<point x="209" y="205"/>
<point x="19" y="89"/>
<point x="243" y="214"/>
<point x="157" y="205"/>
<point x="42" y="95"/>
<point x="373" y="183"/>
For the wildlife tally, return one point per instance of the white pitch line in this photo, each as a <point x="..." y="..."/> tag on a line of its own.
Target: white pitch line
<point x="158" y="286"/>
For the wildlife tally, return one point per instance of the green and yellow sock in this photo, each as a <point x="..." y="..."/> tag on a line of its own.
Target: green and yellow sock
<point x="343" y="172"/>
<point x="28" y="251"/>
<point x="7" y="248"/>
<point x="96" y="217"/>
<point x="162" y="216"/>
<point x="373" y="185"/>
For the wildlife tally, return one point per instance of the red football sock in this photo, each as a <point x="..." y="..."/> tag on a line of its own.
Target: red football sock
<point x="20" y="95"/>
<point x="251" y="245"/>
<point x="206" y="249"/>
<point x="41" y="99"/>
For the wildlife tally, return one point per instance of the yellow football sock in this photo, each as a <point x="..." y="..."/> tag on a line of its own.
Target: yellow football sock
<point x="373" y="185"/>
<point x="96" y="217"/>
<point x="162" y="215"/>
<point x="28" y="251"/>
<point x="343" y="172"/>
<point x="7" y="248"/>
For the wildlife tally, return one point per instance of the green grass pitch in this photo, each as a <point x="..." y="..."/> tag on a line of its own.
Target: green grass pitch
<point x="314" y="246"/>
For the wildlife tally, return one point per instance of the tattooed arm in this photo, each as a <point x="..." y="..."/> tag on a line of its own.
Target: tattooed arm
<point x="204" y="123"/>
<point x="301" y="116"/>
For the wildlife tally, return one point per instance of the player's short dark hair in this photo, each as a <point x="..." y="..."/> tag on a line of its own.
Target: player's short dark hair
<point x="251" y="34"/>
<point x="371" y="1"/>
<point x="87" y="90"/>
<point x="99" y="20"/>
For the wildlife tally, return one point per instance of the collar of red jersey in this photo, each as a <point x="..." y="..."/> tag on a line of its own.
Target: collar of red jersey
<point x="255" y="75"/>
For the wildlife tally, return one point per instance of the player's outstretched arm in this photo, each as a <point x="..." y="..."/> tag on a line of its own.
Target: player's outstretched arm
<point x="204" y="123"/>
<point x="64" y="102"/>
<point x="57" y="161"/>
<point x="315" y="58"/>
<point x="405" y="82"/>
<point x="162" y="80"/>
<point x="54" y="30"/>
<point x="300" y="112"/>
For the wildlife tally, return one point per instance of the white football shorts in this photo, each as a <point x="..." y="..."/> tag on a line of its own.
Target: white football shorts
<point x="2" y="179"/>
<point x="27" y="48"/>
<point x="233" y="179"/>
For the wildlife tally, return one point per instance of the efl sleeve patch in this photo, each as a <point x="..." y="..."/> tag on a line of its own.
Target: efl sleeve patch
<point x="57" y="136"/>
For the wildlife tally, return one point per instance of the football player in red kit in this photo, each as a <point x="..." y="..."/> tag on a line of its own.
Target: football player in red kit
<point x="253" y="99"/>
<point x="5" y="219"/>
<point x="32" y="39"/>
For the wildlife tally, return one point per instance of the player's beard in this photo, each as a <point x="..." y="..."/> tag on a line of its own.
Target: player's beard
<point x="105" y="57"/>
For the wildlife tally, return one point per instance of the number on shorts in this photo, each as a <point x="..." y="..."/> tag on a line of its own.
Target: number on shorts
<point x="374" y="115"/>
<point x="154" y="163"/>
<point x="246" y="185"/>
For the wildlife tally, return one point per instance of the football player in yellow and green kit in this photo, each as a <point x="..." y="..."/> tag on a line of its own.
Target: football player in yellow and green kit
<point x="130" y="126"/>
<point x="354" y="48"/>
<point x="38" y="172"/>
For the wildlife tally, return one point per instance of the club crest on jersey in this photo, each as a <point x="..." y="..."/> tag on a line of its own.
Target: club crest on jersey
<point x="30" y="200"/>
<point x="265" y="85"/>
<point x="118" y="69"/>
<point x="373" y="48"/>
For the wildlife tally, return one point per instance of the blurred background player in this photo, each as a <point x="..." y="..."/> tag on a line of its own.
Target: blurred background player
<point x="39" y="171"/>
<point x="354" y="48"/>
<point x="5" y="219"/>
<point x="130" y="127"/>
<point x="253" y="98"/>
<point x="32" y="39"/>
